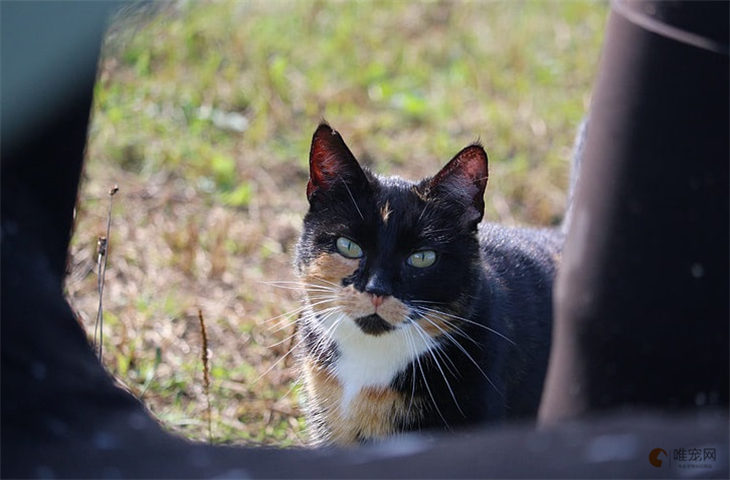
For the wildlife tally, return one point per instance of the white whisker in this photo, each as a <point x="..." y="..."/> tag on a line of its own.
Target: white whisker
<point x="471" y="322"/>
<point x="428" y="389"/>
<point x="282" y="341"/>
<point x="353" y="200"/>
<point x="455" y="328"/>
<point x="440" y="350"/>
<point x="423" y="212"/>
<point x="286" y="316"/>
<point x="412" y="347"/>
<point x="428" y="302"/>
<point x="463" y="350"/>
<point x="326" y="312"/>
<point x="327" y="282"/>
<point x="318" y="349"/>
<point x="425" y="337"/>
<point x="304" y="286"/>
<point x="279" y="360"/>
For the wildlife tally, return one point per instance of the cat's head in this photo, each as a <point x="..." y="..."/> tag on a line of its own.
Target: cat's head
<point x="385" y="252"/>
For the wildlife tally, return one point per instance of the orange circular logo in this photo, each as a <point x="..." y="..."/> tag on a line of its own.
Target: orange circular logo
<point x="654" y="457"/>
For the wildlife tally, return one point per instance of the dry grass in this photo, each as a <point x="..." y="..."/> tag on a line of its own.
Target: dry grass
<point x="203" y="116"/>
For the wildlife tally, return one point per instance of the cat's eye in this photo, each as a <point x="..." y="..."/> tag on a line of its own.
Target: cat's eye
<point x="422" y="259"/>
<point x="348" y="248"/>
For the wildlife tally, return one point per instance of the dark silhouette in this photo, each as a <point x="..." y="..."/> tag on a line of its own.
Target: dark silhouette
<point x="642" y="315"/>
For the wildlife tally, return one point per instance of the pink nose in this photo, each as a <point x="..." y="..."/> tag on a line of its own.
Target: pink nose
<point x="377" y="300"/>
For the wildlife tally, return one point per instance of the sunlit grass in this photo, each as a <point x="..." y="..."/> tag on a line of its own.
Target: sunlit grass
<point x="203" y="116"/>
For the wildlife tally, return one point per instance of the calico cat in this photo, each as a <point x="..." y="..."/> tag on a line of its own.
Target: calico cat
<point x="416" y="316"/>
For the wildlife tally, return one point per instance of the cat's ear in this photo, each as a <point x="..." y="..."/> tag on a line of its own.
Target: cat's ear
<point x="463" y="180"/>
<point x="331" y="162"/>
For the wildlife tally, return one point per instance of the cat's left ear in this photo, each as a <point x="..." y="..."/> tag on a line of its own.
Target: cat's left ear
<point x="331" y="163"/>
<point x="463" y="180"/>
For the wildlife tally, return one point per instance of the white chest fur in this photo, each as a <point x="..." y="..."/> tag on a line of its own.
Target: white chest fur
<point x="372" y="361"/>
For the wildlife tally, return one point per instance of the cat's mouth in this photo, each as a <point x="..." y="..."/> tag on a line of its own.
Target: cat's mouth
<point x="373" y="324"/>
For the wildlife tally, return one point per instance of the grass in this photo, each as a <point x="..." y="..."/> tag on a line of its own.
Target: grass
<point x="203" y="115"/>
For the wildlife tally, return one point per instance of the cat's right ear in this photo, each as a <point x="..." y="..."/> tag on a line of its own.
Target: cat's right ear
<point x="331" y="163"/>
<point x="462" y="182"/>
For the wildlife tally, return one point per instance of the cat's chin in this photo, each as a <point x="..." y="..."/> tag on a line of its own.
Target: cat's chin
<point x="373" y="325"/>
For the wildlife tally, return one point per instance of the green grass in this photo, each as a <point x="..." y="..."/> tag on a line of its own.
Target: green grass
<point x="203" y="116"/>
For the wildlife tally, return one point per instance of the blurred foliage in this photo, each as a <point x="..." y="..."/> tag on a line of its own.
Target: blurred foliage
<point x="203" y="115"/>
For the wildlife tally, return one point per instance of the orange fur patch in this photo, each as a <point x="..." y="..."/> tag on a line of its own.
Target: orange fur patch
<point x="331" y="268"/>
<point x="373" y="413"/>
<point x="436" y="324"/>
<point x="385" y="212"/>
<point x="357" y="304"/>
<point x="328" y="270"/>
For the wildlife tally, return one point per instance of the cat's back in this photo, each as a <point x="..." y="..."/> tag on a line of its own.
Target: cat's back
<point x="519" y="266"/>
<point x="514" y="249"/>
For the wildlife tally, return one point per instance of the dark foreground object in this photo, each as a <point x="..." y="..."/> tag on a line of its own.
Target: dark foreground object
<point x="641" y="299"/>
<point x="62" y="416"/>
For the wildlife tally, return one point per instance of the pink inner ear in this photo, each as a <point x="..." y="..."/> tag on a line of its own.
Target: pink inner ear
<point x="468" y="167"/>
<point x="324" y="158"/>
<point x="323" y="164"/>
<point x="473" y="163"/>
<point x="464" y="177"/>
<point x="330" y="161"/>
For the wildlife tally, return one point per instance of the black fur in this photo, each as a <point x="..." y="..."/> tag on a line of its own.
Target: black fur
<point x="512" y="296"/>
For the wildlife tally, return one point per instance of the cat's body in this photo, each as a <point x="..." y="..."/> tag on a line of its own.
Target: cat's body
<point x="416" y="316"/>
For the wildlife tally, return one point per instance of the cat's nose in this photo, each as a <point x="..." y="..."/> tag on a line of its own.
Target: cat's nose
<point x="377" y="300"/>
<point x="377" y="287"/>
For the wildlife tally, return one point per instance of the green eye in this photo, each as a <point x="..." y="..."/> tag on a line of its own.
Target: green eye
<point x="422" y="259"/>
<point x="348" y="248"/>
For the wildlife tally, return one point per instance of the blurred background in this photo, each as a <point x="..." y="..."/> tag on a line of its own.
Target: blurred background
<point x="203" y="116"/>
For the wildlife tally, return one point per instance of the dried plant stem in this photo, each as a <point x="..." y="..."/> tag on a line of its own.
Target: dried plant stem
<point x="103" y="249"/>
<point x="206" y="377"/>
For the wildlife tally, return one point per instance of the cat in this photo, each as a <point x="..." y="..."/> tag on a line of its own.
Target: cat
<point x="416" y="316"/>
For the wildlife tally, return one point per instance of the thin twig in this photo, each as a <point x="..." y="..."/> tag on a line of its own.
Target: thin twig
<point x="206" y="378"/>
<point x="103" y="250"/>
